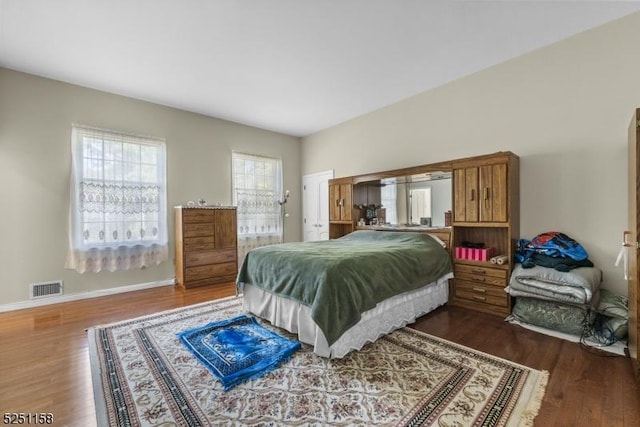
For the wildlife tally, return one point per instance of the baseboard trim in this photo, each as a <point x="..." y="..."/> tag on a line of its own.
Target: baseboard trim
<point x="84" y="295"/>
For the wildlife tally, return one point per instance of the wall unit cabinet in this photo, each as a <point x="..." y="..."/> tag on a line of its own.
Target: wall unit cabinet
<point x="485" y="210"/>
<point x="485" y="204"/>
<point x="206" y="245"/>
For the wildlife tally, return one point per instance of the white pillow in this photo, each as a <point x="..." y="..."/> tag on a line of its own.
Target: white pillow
<point x="439" y="240"/>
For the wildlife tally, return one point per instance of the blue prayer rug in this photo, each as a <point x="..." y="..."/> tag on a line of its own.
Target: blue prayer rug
<point x="238" y="349"/>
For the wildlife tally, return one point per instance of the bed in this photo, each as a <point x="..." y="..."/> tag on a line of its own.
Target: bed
<point x="337" y="295"/>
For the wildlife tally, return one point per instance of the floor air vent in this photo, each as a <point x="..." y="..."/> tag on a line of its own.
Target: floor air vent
<point x="45" y="289"/>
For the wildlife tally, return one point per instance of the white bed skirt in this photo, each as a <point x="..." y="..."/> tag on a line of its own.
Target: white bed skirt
<point x="387" y="316"/>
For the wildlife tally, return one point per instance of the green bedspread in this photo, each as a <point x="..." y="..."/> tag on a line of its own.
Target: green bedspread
<point x="342" y="278"/>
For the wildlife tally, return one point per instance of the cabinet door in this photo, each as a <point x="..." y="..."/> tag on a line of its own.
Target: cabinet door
<point x="347" y="204"/>
<point x="465" y="195"/>
<point x="493" y="193"/>
<point x="225" y="228"/>
<point x="334" y="202"/>
<point x="340" y="202"/>
<point x="459" y="196"/>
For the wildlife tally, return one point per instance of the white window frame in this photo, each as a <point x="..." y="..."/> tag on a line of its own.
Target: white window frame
<point x="259" y="213"/>
<point x="118" y="204"/>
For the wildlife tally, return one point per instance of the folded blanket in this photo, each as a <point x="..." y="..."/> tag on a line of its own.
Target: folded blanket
<point x="571" y="319"/>
<point x="576" y="286"/>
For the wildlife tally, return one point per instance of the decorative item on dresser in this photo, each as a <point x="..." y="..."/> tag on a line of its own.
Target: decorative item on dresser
<point x="485" y="215"/>
<point x="206" y="245"/>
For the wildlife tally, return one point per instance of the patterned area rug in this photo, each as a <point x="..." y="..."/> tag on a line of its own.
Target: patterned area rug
<point x="238" y="349"/>
<point x="144" y="376"/>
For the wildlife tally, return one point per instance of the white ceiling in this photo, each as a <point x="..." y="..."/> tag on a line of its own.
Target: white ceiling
<point x="292" y="66"/>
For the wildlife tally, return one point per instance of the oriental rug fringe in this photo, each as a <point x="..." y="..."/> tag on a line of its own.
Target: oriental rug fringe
<point x="144" y="376"/>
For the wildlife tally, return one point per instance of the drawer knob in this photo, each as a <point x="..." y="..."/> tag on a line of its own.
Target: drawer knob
<point x="476" y="297"/>
<point x="480" y="290"/>
<point x="478" y="271"/>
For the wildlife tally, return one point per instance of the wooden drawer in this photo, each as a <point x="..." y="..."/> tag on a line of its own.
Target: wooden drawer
<point x="480" y="271"/>
<point x="190" y="216"/>
<point x="480" y="293"/>
<point x="198" y="243"/>
<point x="198" y="230"/>
<point x="209" y="271"/>
<point x="210" y="257"/>
<point x="478" y="278"/>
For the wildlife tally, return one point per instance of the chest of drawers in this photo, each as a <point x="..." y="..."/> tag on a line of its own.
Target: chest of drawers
<point x="206" y="245"/>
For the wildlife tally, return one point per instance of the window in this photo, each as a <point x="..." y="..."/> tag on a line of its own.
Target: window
<point x="257" y="187"/>
<point x="118" y="201"/>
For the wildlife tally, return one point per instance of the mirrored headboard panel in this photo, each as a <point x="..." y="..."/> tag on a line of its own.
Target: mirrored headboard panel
<point x="407" y="198"/>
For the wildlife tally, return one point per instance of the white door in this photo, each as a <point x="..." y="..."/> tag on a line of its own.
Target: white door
<point x="315" y="206"/>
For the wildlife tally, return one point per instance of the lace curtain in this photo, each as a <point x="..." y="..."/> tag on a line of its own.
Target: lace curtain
<point x="117" y="211"/>
<point x="257" y="183"/>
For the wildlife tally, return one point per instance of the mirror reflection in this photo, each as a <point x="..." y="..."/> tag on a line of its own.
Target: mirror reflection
<point x="412" y="200"/>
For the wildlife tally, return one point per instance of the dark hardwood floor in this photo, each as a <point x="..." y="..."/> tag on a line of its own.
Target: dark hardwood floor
<point x="44" y="362"/>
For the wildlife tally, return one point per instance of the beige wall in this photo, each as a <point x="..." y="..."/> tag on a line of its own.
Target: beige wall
<point x="35" y="136"/>
<point x="564" y="109"/>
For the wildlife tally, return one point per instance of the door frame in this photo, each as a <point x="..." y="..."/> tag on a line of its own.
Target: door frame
<point x="630" y="241"/>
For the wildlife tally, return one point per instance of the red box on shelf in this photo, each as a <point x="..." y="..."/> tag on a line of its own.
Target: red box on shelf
<point x="474" y="254"/>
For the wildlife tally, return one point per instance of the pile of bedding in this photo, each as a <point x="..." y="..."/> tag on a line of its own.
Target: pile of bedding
<point x="556" y="287"/>
<point x="555" y="316"/>
<point x="578" y="286"/>
<point x="562" y="301"/>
